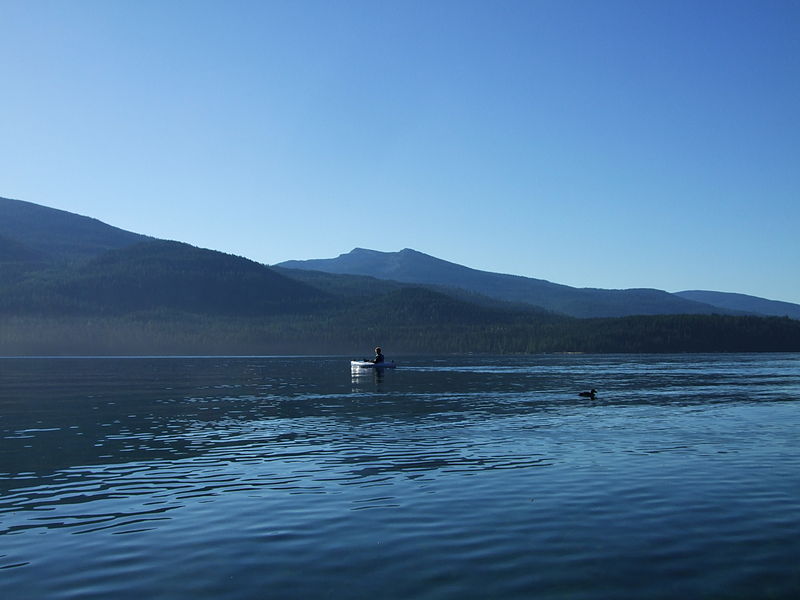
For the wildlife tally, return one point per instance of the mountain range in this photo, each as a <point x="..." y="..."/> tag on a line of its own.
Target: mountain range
<point x="72" y="284"/>
<point x="411" y="266"/>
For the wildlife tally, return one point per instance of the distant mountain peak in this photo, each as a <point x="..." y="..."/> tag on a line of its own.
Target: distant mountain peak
<point x="368" y="251"/>
<point x="412" y="266"/>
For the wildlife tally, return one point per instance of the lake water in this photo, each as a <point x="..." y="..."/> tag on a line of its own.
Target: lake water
<point x="469" y="477"/>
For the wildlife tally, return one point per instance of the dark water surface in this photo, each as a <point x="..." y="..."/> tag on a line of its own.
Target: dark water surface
<point x="477" y="477"/>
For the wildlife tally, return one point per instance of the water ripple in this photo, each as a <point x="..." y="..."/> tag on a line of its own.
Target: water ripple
<point x="491" y="479"/>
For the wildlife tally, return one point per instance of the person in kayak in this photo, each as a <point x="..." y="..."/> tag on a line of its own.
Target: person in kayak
<point x="378" y="356"/>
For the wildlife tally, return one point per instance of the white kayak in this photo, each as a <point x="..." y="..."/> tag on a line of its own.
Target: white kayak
<point x="368" y="364"/>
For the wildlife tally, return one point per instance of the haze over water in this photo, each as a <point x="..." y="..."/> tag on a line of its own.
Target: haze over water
<point x="468" y="477"/>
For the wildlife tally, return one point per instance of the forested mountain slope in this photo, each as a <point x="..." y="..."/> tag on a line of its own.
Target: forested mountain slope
<point x="161" y="275"/>
<point x="93" y="289"/>
<point x="58" y="235"/>
<point x="410" y="266"/>
<point x="744" y="303"/>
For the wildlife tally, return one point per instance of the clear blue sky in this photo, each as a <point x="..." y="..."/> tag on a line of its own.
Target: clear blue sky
<point x="593" y="143"/>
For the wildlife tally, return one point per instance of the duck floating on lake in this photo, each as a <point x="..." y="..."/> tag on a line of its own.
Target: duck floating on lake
<point x="591" y="394"/>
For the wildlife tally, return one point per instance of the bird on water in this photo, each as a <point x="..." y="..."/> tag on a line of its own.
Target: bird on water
<point x="592" y="394"/>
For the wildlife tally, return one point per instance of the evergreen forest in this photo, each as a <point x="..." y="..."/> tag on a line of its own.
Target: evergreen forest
<point x="164" y="298"/>
<point x="72" y="285"/>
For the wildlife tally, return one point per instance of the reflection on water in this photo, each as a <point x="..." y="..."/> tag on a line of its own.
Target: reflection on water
<point x="443" y="478"/>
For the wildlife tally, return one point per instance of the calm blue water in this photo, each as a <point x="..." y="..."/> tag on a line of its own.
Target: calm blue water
<point x="478" y="477"/>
